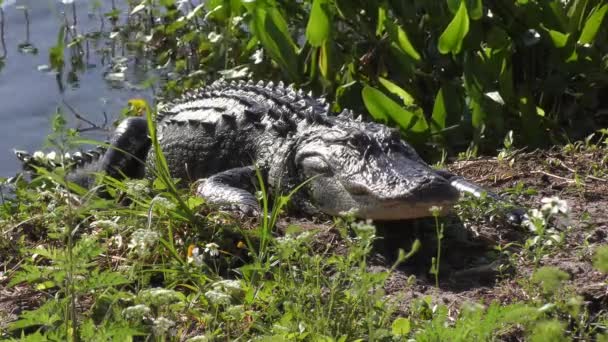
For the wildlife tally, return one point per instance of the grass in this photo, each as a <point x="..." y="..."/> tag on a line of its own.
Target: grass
<point x="159" y="265"/>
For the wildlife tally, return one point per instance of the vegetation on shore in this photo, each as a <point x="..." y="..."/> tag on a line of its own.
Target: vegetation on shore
<point x="153" y="262"/>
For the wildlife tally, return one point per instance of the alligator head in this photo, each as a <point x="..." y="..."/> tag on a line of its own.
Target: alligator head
<point x="367" y="169"/>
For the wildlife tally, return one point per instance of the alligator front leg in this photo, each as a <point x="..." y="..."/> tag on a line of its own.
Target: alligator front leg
<point x="232" y="189"/>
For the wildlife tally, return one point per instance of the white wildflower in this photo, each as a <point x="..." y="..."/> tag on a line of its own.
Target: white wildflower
<point x="212" y="249"/>
<point x="199" y="338"/>
<point x="164" y="203"/>
<point x="116" y="241"/>
<point x="51" y="156"/>
<point x="231" y="287"/>
<point x="161" y="325"/>
<point x="137" y="187"/>
<point x="142" y="240"/>
<point x="136" y="312"/>
<point x="39" y="155"/>
<point x="214" y="37"/>
<point x="195" y="256"/>
<point x="258" y="56"/>
<point x="159" y="296"/>
<point x="554" y="205"/>
<point x="104" y="224"/>
<point x="218" y="297"/>
<point x="534" y="221"/>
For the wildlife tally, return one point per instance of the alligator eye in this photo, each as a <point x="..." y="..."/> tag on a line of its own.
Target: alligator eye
<point x="315" y="165"/>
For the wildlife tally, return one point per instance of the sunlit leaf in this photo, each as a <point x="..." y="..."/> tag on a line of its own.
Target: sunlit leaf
<point x="592" y="25"/>
<point x="451" y="39"/>
<point x="399" y="36"/>
<point x="318" y="28"/>
<point x="138" y="8"/>
<point x="440" y="112"/>
<point x="381" y="107"/>
<point x="401" y="326"/>
<point x="559" y="39"/>
<point x="407" y="99"/>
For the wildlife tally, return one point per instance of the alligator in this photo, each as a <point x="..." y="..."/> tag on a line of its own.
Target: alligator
<point x="219" y="136"/>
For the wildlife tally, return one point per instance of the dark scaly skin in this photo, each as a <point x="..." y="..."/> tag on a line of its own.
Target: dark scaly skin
<point x="220" y="134"/>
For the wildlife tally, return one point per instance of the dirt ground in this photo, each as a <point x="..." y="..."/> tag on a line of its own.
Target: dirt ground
<point x="471" y="268"/>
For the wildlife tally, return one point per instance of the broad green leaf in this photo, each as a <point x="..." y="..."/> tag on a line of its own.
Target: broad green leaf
<point x="440" y="113"/>
<point x="451" y="39"/>
<point x="475" y="9"/>
<point x="453" y="5"/>
<point x="318" y="28"/>
<point x="381" y="107"/>
<point x="399" y="36"/>
<point x="592" y="25"/>
<point x="271" y="29"/>
<point x="401" y="326"/>
<point x="407" y="99"/>
<point x="559" y="39"/>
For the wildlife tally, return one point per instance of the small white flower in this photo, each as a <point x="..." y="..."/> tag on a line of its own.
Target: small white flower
<point x="231" y="287"/>
<point x="534" y="221"/>
<point x="554" y="205"/>
<point x="39" y="155"/>
<point x="159" y="296"/>
<point x="104" y="224"/>
<point x="116" y="241"/>
<point x="258" y="56"/>
<point x="142" y="240"/>
<point x="195" y="257"/>
<point x="212" y="249"/>
<point x="162" y="325"/>
<point x="214" y="37"/>
<point x="51" y="156"/>
<point x="136" y="312"/>
<point x="164" y="203"/>
<point x="218" y="297"/>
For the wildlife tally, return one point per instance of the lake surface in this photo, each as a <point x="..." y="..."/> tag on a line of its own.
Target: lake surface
<point x="30" y="92"/>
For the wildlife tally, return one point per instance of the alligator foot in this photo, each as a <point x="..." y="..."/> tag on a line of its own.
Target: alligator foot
<point x="232" y="190"/>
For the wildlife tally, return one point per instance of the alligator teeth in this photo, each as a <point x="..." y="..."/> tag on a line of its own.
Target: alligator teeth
<point x="270" y="85"/>
<point x="310" y="94"/>
<point x="260" y="84"/>
<point x="281" y="85"/>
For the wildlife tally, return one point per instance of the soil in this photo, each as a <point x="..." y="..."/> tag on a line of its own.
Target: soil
<point x="471" y="269"/>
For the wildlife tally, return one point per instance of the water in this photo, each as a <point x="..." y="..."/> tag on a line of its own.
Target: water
<point x="30" y="93"/>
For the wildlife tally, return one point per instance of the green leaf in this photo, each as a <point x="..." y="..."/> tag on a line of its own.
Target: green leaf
<point x="381" y="107"/>
<point x="475" y="9"/>
<point x="592" y="25"/>
<point x="401" y="326"/>
<point x="451" y="39"/>
<point x="318" y="28"/>
<point x="56" y="52"/>
<point x="440" y="113"/>
<point x="407" y="99"/>
<point x="271" y="29"/>
<point x="559" y="39"/>
<point x="399" y="36"/>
